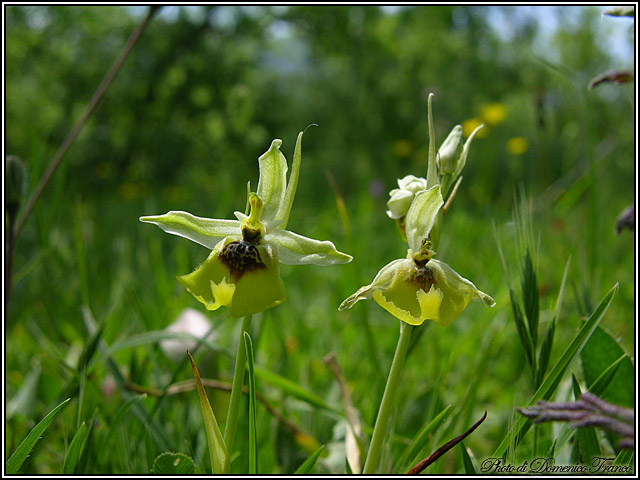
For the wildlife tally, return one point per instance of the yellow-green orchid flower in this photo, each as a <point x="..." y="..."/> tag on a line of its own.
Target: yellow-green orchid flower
<point x="242" y="270"/>
<point x="419" y="287"/>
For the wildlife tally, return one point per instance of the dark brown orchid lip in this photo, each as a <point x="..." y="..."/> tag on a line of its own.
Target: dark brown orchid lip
<point x="241" y="257"/>
<point x="424" y="276"/>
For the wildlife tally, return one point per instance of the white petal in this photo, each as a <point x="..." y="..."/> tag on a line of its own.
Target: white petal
<point x="399" y="203"/>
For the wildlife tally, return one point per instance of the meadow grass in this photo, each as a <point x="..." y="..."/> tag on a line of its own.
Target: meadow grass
<point x="90" y="340"/>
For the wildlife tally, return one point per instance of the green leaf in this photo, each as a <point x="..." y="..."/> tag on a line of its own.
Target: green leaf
<point x="291" y="388"/>
<point x="587" y="437"/>
<point x="545" y="352"/>
<point x="550" y="383"/>
<point x="598" y="354"/>
<point x="74" y="451"/>
<point x="22" y="452"/>
<point x="552" y="450"/>
<point x="120" y="413"/>
<point x="170" y="463"/>
<point x="156" y="336"/>
<point x="530" y="297"/>
<point x="309" y="463"/>
<point x="23" y="400"/>
<point x="220" y="463"/>
<point x="347" y="467"/>
<point x="253" y="440"/>
<point x="469" y="469"/>
<point x="625" y="457"/>
<point x="547" y="343"/>
<point x="420" y="440"/>
<point x="604" y="380"/>
<point x="521" y="328"/>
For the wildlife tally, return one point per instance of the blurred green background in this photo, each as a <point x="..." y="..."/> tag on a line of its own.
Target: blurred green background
<point x="201" y="96"/>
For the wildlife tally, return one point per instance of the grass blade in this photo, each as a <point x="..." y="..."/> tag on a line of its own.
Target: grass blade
<point x="220" y="463"/>
<point x="586" y="436"/>
<point x="530" y="296"/>
<point x="625" y="457"/>
<point x="469" y="469"/>
<point x="74" y="451"/>
<point x="22" y="452"/>
<point x="545" y="352"/>
<point x="421" y="439"/>
<point x="521" y="328"/>
<point x="253" y="440"/>
<point x="547" y="343"/>
<point x="548" y="387"/>
<point x="604" y="380"/>
<point x="309" y="463"/>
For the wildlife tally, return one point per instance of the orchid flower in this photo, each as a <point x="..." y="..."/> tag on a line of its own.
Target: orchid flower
<point x="242" y="270"/>
<point x="419" y="287"/>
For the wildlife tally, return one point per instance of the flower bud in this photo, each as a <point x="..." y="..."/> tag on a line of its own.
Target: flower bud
<point x="448" y="152"/>
<point x="401" y="198"/>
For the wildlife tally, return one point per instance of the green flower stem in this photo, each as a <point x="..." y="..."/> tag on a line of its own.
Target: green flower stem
<point x="380" y="428"/>
<point x="236" y="386"/>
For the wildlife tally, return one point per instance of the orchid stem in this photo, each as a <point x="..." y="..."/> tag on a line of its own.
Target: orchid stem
<point x="380" y="428"/>
<point x="236" y="386"/>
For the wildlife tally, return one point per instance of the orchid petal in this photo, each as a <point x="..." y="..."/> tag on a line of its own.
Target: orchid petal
<point x="383" y="280"/>
<point x="422" y="215"/>
<point x="245" y="292"/>
<point x="399" y="203"/>
<point x="273" y="180"/>
<point x="294" y="249"/>
<point x="465" y="152"/>
<point x="205" y="231"/>
<point x="287" y="202"/>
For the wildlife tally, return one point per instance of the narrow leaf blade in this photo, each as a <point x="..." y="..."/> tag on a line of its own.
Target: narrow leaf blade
<point x="548" y="387"/>
<point x="74" y="451"/>
<point x="220" y="463"/>
<point x="309" y="463"/>
<point x="22" y="452"/>
<point x="253" y="447"/>
<point x="469" y="469"/>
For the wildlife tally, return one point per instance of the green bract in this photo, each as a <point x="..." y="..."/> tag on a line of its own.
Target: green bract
<point x="420" y="288"/>
<point x="242" y="271"/>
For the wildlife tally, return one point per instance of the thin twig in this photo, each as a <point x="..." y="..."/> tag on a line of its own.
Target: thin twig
<point x="81" y="122"/>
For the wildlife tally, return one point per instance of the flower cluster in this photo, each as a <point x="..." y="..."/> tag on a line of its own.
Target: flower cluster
<point x="419" y="287"/>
